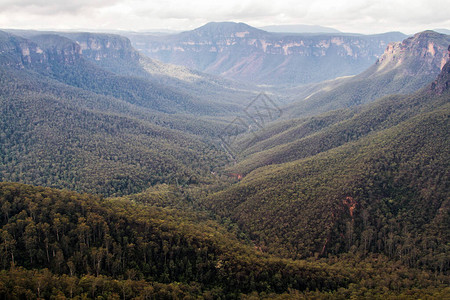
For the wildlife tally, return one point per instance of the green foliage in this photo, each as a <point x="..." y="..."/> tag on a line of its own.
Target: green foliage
<point x="386" y="192"/>
<point x="74" y="234"/>
<point x="19" y="283"/>
<point x="361" y="193"/>
<point x="57" y="243"/>
<point x="53" y="137"/>
<point x="309" y="136"/>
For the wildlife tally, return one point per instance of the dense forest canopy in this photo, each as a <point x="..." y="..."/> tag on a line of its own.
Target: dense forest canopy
<point x="115" y="182"/>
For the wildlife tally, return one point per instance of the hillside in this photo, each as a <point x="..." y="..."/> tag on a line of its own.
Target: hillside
<point x="299" y="138"/>
<point x="115" y="54"/>
<point x="116" y="181"/>
<point x="383" y="191"/>
<point x="78" y="235"/>
<point x="92" y="247"/>
<point x="61" y="125"/>
<point x="403" y="68"/>
<point x="398" y="174"/>
<point x="241" y="52"/>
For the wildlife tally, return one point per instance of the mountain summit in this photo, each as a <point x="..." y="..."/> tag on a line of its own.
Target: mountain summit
<point x="227" y="29"/>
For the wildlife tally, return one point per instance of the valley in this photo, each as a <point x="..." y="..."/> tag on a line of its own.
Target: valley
<point x="224" y="162"/>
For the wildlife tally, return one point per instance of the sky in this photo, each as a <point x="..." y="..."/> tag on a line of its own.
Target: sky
<point x="370" y="16"/>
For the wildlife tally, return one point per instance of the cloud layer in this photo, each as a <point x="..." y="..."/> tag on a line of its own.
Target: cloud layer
<point x="365" y="16"/>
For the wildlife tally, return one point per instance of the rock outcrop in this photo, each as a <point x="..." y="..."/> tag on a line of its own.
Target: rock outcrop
<point x="442" y="83"/>
<point x="99" y="46"/>
<point x="424" y="53"/>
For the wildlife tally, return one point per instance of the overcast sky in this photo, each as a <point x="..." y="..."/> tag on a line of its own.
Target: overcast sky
<point x="371" y="16"/>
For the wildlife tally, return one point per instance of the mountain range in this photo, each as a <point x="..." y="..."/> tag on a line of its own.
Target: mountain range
<point x="64" y="112"/>
<point x="241" y="52"/>
<point x="117" y="181"/>
<point x="403" y="68"/>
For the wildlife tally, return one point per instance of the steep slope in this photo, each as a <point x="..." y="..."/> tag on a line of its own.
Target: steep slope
<point x="80" y="73"/>
<point x="403" y="68"/>
<point x="442" y="83"/>
<point x="58" y="135"/>
<point x="115" y="54"/>
<point x="309" y="136"/>
<point x="386" y="192"/>
<point x="241" y="52"/>
<point x="79" y="235"/>
<point x="60" y="244"/>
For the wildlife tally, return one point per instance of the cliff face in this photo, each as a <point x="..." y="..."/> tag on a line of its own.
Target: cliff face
<point x="58" y="49"/>
<point x="38" y="52"/>
<point x="97" y="46"/>
<point x="219" y="37"/>
<point x="424" y="53"/>
<point x="442" y="83"/>
<point x="18" y="52"/>
<point x="239" y="51"/>
<point x="404" y="68"/>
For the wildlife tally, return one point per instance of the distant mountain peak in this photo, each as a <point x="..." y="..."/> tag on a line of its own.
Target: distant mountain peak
<point x="225" y="25"/>
<point x="227" y="29"/>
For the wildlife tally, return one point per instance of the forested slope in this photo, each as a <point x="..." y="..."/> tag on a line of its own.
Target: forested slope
<point x="385" y="192"/>
<point x="76" y="235"/>
<point x="49" y="140"/>
<point x="309" y="136"/>
<point x="57" y="132"/>
<point x="60" y="244"/>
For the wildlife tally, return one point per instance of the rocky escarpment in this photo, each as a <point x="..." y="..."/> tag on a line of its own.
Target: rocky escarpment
<point x="18" y="52"/>
<point x="403" y="69"/>
<point x="38" y="52"/>
<point x="239" y="51"/>
<point x="423" y="53"/>
<point x="58" y="49"/>
<point x="442" y="83"/>
<point x="98" y="46"/>
<point x="109" y="51"/>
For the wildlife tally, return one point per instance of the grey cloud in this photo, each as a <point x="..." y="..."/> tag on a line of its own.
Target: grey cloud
<point x="51" y="7"/>
<point x="348" y="15"/>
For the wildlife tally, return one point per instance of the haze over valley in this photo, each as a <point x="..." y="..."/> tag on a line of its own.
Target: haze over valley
<point x="210" y="159"/>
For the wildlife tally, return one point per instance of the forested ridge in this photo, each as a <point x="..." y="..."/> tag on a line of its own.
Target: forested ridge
<point x="386" y="192"/>
<point x="48" y="142"/>
<point x="309" y="136"/>
<point x="57" y="243"/>
<point x="114" y="185"/>
<point x="75" y="235"/>
<point x="62" y="135"/>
